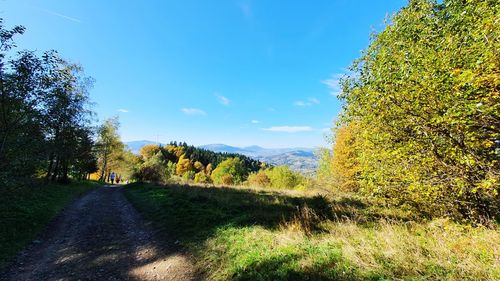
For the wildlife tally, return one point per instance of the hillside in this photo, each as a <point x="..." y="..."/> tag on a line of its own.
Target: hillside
<point x="298" y="159"/>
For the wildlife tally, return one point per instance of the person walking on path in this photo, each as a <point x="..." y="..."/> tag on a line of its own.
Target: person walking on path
<point x="112" y="177"/>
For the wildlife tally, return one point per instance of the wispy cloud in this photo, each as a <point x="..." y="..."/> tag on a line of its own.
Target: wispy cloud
<point x="334" y="84"/>
<point x="223" y="100"/>
<point x="193" y="111"/>
<point x="289" y="129"/>
<point x="122" y="110"/>
<point x="255" y="121"/>
<point x="271" y="109"/>
<point x="57" y="14"/>
<point x="308" y="102"/>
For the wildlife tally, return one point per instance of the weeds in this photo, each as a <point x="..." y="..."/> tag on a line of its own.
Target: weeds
<point x="246" y="234"/>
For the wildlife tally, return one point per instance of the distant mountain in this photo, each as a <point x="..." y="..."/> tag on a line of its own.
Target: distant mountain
<point x="135" y="146"/>
<point x="221" y="148"/>
<point x="298" y="158"/>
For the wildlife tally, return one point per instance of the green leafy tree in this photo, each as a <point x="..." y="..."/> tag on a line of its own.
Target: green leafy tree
<point x="188" y="175"/>
<point x="425" y="95"/>
<point x="44" y="115"/>
<point x="233" y="167"/>
<point x="283" y="177"/>
<point x="201" y="177"/>
<point x="108" y="145"/>
<point x="170" y="170"/>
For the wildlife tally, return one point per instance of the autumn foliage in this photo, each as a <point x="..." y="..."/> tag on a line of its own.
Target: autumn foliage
<point x="424" y="103"/>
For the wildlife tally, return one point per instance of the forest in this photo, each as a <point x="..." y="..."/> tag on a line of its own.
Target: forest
<point x="408" y="190"/>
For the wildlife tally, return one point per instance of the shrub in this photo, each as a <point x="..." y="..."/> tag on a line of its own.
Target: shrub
<point x="233" y="167"/>
<point x="188" y="176"/>
<point x="283" y="177"/>
<point x="201" y="177"/>
<point x="227" y="180"/>
<point x="259" y="179"/>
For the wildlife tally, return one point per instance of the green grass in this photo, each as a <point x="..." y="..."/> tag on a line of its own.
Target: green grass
<point x="26" y="211"/>
<point x="245" y="234"/>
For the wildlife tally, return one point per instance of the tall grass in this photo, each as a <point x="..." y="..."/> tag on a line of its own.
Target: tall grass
<point x="245" y="234"/>
<point x="25" y="211"/>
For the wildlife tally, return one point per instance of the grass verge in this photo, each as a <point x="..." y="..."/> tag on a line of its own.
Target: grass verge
<point x="243" y="234"/>
<point x="26" y="211"/>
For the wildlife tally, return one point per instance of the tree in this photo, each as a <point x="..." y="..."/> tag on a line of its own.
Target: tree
<point x="233" y="167"/>
<point x="344" y="164"/>
<point x="199" y="166"/>
<point x="283" y="177"/>
<point x="108" y="142"/>
<point x="425" y="96"/>
<point x="209" y="169"/>
<point x="65" y="114"/>
<point x="259" y="179"/>
<point x="43" y="114"/>
<point x="201" y="177"/>
<point x="154" y="169"/>
<point x="148" y="151"/>
<point x="184" y="165"/>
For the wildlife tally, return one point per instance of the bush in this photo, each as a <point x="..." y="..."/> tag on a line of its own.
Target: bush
<point x="188" y="176"/>
<point x="201" y="177"/>
<point x="259" y="179"/>
<point x="283" y="177"/>
<point x="233" y="167"/>
<point x="227" y="180"/>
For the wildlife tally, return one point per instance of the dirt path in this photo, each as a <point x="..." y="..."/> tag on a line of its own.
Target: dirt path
<point x="100" y="237"/>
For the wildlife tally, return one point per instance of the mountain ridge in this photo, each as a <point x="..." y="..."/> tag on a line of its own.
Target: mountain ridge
<point x="300" y="159"/>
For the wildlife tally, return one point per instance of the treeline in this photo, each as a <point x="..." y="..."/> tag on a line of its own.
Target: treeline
<point x="420" y="122"/>
<point x="179" y="162"/>
<point x="45" y="129"/>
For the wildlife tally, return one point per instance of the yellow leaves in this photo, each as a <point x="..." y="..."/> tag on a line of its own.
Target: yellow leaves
<point x="183" y="165"/>
<point x="148" y="150"/>
<point x="345" y="164"/>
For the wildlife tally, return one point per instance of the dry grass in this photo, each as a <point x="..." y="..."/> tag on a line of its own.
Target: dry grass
<point x="254" y="234"/>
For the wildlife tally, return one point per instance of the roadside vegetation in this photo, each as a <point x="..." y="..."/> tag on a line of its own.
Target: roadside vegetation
<point x="408" y="191"/>
<point x="410" y="188"/>
<point x="261" y="234"/>
<point x="26" y="211"/>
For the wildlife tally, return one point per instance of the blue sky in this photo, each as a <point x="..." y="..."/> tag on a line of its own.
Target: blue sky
<point x="233" y="72"/>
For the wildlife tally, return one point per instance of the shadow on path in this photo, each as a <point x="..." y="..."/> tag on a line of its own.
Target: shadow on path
<point x="100" y="237"/>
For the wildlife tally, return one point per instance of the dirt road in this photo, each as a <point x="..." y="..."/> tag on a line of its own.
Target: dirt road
<point x="100" y="237"/>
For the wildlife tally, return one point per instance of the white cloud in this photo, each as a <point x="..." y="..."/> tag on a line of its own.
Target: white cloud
<point x="255" y="121"/>
<point x="309" y="102"/>
<point x="223" y="100"/>
<point x="289" y="129"/>
<point x="57" y="14"/>
<point x="193" y="111"/>
<point x="301" y="103"/>
<point x="313" y="100"/>
<point x="334" y="84"/>
<point x="122" y="110"/>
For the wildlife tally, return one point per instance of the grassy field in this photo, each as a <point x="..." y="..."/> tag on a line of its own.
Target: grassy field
<point x="25" y="211"/>
<point x="245" y="234"/>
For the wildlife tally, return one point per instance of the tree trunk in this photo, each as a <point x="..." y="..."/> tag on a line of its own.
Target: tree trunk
<point x="49" y="168"/>
<point x="56" y="170"/>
